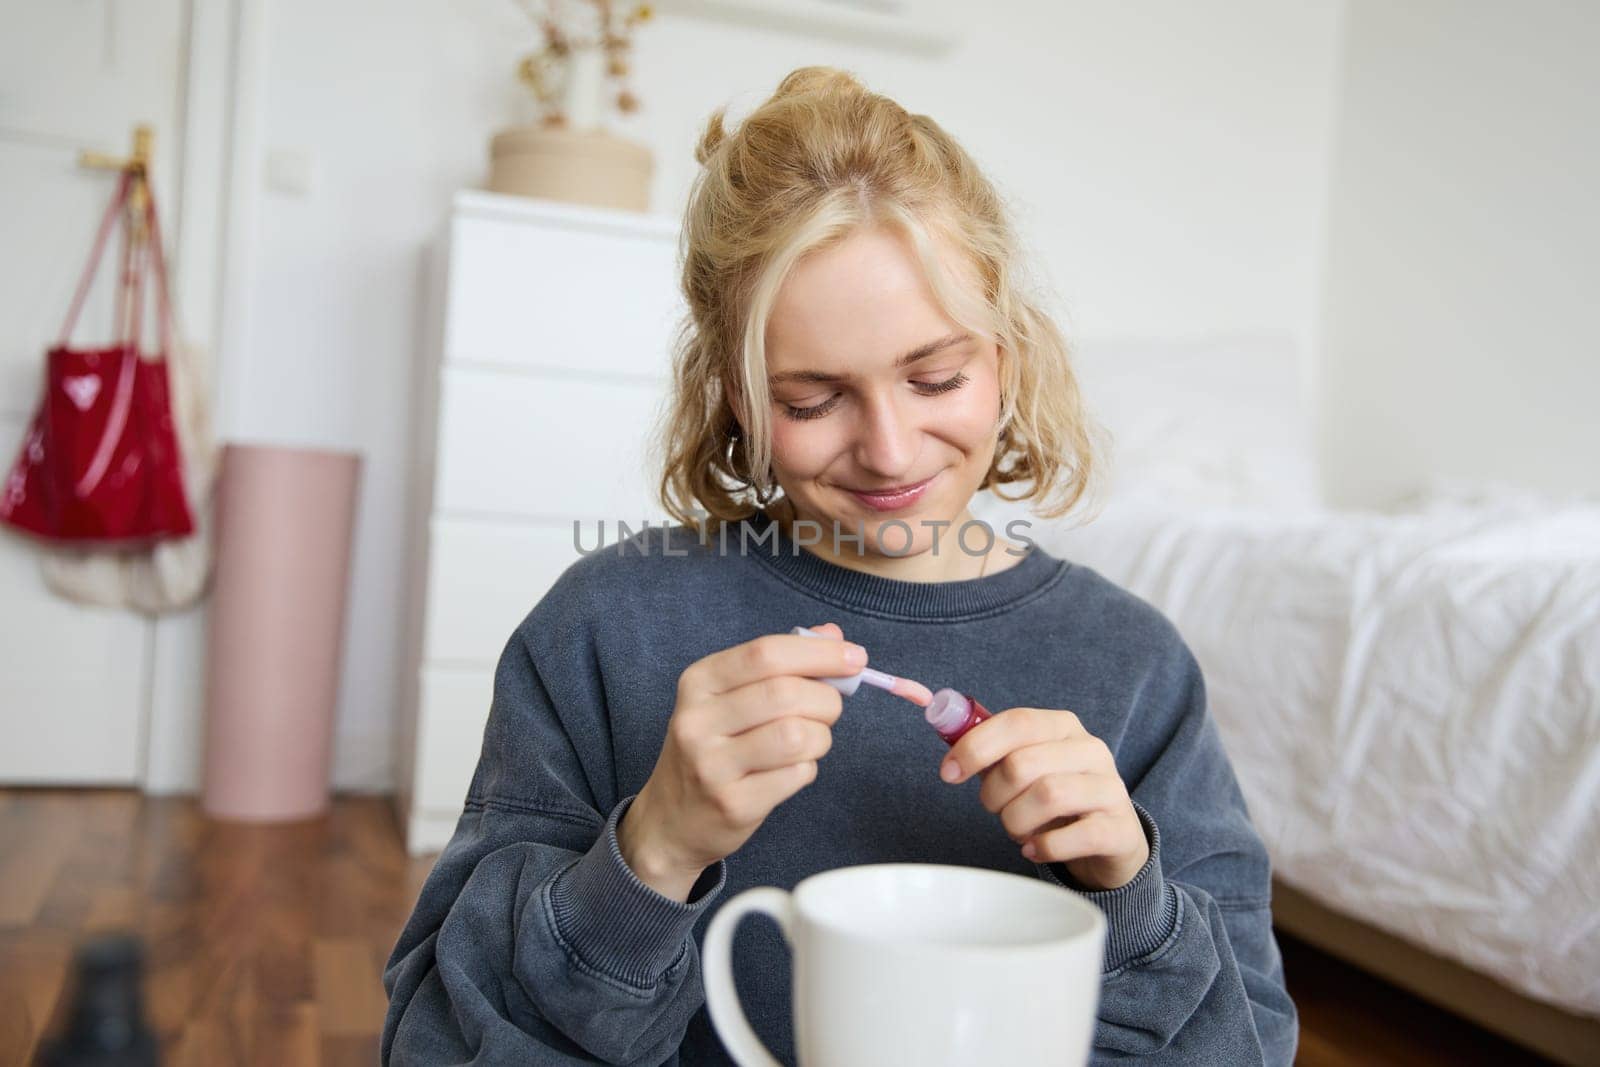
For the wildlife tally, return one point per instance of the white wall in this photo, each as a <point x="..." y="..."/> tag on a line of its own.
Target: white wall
<point x="1461" y="338"/>
<point x="1167" y="161"/>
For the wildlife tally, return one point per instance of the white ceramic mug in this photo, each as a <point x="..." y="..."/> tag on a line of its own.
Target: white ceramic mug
<point x="921" y="964"/>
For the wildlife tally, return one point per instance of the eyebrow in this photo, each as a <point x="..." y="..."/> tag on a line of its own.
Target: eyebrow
<point x="920" y="352"/>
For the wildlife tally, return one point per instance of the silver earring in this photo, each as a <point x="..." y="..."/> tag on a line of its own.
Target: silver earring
<point x="765" y="492"/>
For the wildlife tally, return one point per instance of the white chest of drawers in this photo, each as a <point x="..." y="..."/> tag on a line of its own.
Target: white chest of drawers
<point x="545" y="359"/>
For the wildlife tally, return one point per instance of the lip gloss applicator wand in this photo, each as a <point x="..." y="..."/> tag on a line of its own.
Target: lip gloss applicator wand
<point x="904" y="688"/>
<point x="949" y="711"/>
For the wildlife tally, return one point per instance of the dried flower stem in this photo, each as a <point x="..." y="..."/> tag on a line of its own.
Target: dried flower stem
<point x="546" y="72"/>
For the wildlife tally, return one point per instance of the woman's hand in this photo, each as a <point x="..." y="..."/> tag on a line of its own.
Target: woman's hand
<point x="749" y="726"/>
<point x="1056" y="789"/>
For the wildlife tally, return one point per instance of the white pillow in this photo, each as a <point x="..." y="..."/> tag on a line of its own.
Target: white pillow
<point x="1215" y="422"/>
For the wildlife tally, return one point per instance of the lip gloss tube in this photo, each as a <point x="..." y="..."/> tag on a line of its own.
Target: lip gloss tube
<point x="953" y="713"/>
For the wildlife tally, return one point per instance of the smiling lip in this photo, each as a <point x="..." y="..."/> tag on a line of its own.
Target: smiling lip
<point x="892" y="499"/>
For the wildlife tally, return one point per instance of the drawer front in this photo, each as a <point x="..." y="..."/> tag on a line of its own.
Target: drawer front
<point x="484" y="578"/>
<point x="453" y="708"/>
<point x="562" y="297"/>
<point x="527" y="446"/>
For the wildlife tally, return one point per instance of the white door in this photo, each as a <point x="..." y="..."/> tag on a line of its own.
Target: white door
<point x="75" y="682"/>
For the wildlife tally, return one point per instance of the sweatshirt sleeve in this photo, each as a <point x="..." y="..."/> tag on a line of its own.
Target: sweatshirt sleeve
<point x="532" y="941"/>
<point x="1192" y="972"/>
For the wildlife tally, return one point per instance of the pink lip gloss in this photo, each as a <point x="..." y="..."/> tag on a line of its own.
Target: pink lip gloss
<point x="953" y="714"/>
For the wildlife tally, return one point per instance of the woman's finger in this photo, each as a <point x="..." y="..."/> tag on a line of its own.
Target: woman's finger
<point x="769" y="656"/>
<point x="754" y="705"/>
<point x="755" y="795"/>
<point x="1006" y="780"/>
<point x="993" y="739"/>
<point x="1056" y="796"/>
<point x="1095" y="834"/>
<point x="780" y="743"/>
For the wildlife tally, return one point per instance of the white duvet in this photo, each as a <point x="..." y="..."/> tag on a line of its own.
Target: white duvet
<point x="1412" y="704"/>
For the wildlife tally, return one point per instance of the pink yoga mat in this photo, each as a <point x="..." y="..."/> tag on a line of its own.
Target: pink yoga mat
<point x="276" y="628"/>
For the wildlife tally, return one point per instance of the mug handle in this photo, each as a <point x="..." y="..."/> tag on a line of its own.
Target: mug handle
<point x="722" y="997"/>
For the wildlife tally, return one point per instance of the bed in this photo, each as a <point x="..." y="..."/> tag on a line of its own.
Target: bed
<point x="1410" y="697"/>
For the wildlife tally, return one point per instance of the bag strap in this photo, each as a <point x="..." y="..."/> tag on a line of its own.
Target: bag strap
<point x="118" y="199"/>
<point x="130" y="291"/>
<point x="138" y="258"/>
<point x="158" y="260"/>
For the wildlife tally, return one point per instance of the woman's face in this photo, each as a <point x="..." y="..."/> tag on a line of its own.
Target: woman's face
<point x="875" y="388"/>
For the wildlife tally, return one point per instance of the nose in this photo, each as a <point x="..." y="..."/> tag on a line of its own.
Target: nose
<point x="887" y="438"/>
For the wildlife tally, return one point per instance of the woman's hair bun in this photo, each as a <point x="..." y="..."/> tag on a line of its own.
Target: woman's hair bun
<point x="802" y="81"/>
<point x="711" y="137"/>
<point x="818" y="80"/>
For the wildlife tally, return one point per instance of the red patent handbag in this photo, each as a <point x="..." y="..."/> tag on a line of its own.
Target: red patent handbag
<point x="100" y="462"/>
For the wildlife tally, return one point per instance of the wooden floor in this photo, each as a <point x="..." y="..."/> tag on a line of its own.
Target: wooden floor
<point x="265" y="945"/>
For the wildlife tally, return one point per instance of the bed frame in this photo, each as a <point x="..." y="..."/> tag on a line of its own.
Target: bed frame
<point x="1551" y="1031"/>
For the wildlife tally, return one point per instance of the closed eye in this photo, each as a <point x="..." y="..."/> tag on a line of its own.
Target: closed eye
<point x="816" y="411"/>
<point x="955" y="381"/>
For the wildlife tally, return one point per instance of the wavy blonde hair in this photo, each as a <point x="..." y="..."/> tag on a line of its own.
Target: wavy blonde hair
<point x="819" y="159"/>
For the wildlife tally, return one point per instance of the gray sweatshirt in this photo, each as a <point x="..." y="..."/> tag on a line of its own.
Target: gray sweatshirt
<point x="533" y="942"/>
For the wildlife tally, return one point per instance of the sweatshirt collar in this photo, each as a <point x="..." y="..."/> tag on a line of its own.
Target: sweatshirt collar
<point x="871" y="594"/>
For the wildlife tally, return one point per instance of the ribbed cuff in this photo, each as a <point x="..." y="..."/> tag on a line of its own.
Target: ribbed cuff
<point x="1140" y="915"/>
<point x="618" y="925"/>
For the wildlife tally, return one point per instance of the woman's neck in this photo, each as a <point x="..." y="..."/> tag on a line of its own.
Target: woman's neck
<point x="952" y="562"/>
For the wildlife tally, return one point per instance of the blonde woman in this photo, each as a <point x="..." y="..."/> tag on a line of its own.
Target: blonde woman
<point x="857" y="364"/>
